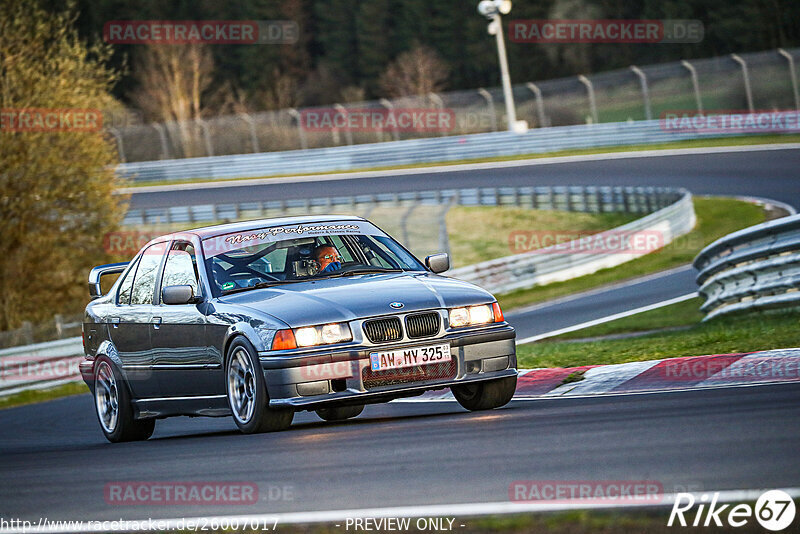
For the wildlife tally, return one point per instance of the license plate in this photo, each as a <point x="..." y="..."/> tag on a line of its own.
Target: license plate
<point x="409" y="357"/>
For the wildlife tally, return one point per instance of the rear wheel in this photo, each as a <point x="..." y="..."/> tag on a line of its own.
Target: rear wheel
<point x="112" y="402"/>
<point x="485" y="395"/>
<point x="247" y="392"/>
<point x="340" y="413"/>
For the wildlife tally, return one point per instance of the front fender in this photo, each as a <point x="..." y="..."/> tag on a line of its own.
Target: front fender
<point x="261" y="338"/>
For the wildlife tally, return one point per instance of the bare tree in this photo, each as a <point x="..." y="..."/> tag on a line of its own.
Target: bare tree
<point x="419" y="71"/>
<point x="173" y="81"/>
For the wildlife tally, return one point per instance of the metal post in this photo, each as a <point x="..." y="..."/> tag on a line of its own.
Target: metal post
<point x="444" y="239"/>
<point x="590" y="90"/>
<point x="163" y="137"/>
<point x="508" y="95"/>
<point x="793" y="76"/>
<point x="746" y="76"/>
<point x="695" y="84"/>
<point x="118" y="138"/>
<point x="388" y="105"/>
<point x="301" y="133"/>
<point x="347" y="133"/>
<point x="206" y="137"/>
<point x="489" y="102"/>
<point x="648" y="113"/>
<point x="253" y="137"/>
<point x="539" y="102"/>
<point x="404" y="225"/>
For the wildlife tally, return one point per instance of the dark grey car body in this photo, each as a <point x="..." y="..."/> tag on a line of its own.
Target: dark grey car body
<point x="172" y="357"/>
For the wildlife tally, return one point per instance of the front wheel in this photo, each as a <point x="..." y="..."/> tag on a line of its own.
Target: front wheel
<point x="485" y="395"/>
<point x="247" y="392"/>
<point x="112" y="402"/>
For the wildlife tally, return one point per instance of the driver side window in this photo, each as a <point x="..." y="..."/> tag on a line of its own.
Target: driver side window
<point x="181" y="267"/>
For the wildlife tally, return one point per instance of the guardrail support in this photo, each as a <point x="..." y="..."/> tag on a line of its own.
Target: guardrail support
<point x="648" y="113"/>
<point x="792" y="76"/>
<point x="159" y="128"/>
<point x="206" y="137"/>
<point x="348" y="134"/>
<point x="118" y="138"/>
<point x="389" y="106"/>
<point x="590" y="90"/>
<point x="695" y="84"/>
<point x="537" y="93"/>
<point x="490" y="103"/>
<point x="746" y="76"/>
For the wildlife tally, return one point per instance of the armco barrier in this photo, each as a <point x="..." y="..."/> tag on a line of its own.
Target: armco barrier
<point x="414" y="151"/>
<point x="41" y="365"/>
<point x="754" y="269"/>
<point x="544" y="266"/>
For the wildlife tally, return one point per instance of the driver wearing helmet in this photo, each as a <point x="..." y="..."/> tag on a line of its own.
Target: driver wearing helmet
<point x="328" y="258"/>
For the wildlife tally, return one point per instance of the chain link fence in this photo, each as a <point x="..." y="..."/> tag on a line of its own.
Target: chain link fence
<point x="755" y="81"/>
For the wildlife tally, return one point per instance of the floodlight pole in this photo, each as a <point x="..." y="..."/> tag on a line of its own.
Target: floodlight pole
<point x="508" y="94"/>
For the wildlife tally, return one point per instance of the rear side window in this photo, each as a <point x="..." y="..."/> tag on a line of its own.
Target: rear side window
<point x="144" y="284"/>
<point x="124" y="295"/>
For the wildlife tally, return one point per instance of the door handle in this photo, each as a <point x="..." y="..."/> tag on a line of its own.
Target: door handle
<point x="156" y="322"/>
<point x="115" y="322"/>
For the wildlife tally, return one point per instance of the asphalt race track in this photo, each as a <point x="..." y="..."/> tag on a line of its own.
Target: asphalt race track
<point x="56" y="463"/>
<point x="765" y="173"/>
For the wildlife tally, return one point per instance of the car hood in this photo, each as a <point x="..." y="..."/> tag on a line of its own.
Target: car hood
<point x="354" y="297"/>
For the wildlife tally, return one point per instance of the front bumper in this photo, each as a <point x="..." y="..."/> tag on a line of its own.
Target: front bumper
<point x="322" y="378"/>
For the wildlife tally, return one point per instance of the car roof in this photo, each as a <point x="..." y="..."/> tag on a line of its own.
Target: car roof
<point x="244" y="226"/>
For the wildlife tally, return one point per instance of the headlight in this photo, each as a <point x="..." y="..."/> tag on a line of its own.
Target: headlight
<point x="475" y="315"/>
<point x="309" y="336"/>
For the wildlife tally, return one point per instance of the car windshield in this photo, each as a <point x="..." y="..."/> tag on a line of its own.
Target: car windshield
<point x="273" y="256"/>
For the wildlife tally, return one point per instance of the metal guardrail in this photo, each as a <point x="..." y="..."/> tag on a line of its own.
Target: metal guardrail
<point x="413" y="151"/>
<point x="675" y="217"/>
<point x="39" y="366"/>
<point x="754" y="269"/>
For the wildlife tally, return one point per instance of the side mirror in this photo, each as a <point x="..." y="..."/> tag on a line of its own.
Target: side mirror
<point x="438" y="263"/>
<point x="183" y="294"/>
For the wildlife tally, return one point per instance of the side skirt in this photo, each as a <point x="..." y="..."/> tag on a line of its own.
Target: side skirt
<point x="207" y="406"/>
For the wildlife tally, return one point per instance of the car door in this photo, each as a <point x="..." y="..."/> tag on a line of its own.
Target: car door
<point x="182" y="362"/>
<point x="130" y="323"/>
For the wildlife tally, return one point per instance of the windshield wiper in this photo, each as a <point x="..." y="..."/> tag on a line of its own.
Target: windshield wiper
<point x="362" y="270"/>
<point x="261" y="285"/>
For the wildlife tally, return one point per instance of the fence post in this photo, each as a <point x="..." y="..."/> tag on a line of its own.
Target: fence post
<point x="648" y="113"/>
<point x="206" y="137"/>
<point x="59" y="321"/>
<point x="695" y="84"/>
<point x="590" y="90"/>
<point x="389" y="106"/>
<point x="163" y="137"/>
<point x="792" y="75"/>
<point x="537" y="93"/>
<point x="348" y="134"/>
<point x="301" y="133"/>
<point x="253" y="137"/>
<point x="489" y="102"/>
<point x="27" y="332"/>
<point x="120" y="148"/>
<point x="746" y="76"/>
<point x="444" y="239"/>
<point x="404" y="225"/>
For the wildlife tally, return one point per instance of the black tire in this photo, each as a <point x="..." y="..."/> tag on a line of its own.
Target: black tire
<point x="485" y="395"/>
<point x="109" y="388"/>
<point x="245" y="384"/>
<point x="340" y="413"/>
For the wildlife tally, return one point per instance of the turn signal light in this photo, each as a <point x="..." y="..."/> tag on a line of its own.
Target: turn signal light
<point x="284" y="339"/>
<point x="498" y="313"/>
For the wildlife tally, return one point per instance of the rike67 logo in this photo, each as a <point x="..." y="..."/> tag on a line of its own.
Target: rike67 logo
<point x="774" y="510"/>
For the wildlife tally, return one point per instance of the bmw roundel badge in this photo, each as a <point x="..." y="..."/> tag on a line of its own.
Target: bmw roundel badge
<point x="396" y="305"/>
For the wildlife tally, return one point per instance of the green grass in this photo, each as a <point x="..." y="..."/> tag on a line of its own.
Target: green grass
<point x="686" y="313"/>
<point x="721" y="336"/>
<point x="715" y="218"/>
<point x="498" y="225"/>
<point x="696" y="143"/>
<point x="40" y="395"/>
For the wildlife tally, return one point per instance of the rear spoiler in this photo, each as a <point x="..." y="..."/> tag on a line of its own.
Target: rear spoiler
<point x="100" y="270"/>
